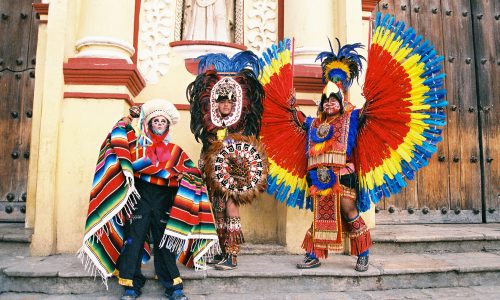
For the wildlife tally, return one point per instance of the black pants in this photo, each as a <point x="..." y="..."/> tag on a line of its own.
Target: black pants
<point x="151" y="214"/>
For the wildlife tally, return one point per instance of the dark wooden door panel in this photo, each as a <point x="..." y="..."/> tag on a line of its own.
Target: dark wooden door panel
<point x="15" y="29"/>
<point x="19" y="30"/>
<point x="449" y="189"/>
<point x="407" y="199"/>
<point x="486" y="19"/>
<point x="433" y="187"/>
<point x="462" y="128"/>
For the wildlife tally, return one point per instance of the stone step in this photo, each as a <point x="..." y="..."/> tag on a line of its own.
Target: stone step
<point x="262" y="274"/>
<point x="435" y="238"/>
<point x="396" y="239"/>
<point x="473" y="292"/>
<point x="14" y="238"/>
<point x="261" y="249"/>
<point x="15" y="233"/>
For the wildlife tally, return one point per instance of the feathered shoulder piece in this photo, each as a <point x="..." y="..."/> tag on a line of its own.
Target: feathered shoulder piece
<point x="342" y="67"/>
<point x="220" y="77"/>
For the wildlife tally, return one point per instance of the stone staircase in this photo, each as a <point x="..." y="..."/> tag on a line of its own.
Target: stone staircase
<point x="408" y="262"/>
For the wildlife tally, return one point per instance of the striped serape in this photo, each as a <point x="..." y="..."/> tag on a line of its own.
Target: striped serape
<point x="190" y="230"/>
<point x="113" y="198"/>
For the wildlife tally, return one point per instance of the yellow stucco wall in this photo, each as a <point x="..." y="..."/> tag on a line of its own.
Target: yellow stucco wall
<point x="83" y="127"/>
<point x="71" y="130"/>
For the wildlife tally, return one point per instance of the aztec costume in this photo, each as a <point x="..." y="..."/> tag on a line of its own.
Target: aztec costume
<point x="234" y="161"/>
<point x="136" y="189"/>
<point x="362" y="155"/>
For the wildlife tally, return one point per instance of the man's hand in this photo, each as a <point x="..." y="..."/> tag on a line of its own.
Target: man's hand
<point x="127" y="120"/>
<point x="135" y="111"/>
<point x="129" y="178"/>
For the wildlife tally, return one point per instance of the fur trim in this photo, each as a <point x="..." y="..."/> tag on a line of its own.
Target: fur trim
<point x="229" y="175"/>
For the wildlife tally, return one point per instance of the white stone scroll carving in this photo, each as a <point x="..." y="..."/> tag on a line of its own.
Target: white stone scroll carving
<point x="155" y="34"/>
<point x="262" y="24"/>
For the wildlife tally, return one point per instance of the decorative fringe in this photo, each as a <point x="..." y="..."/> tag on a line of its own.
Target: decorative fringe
<point x="91" y="267"/>
<point x="308" y="246"/>
<point x="174" y="244"/>
<point x="91" y="264"/>
<point x="234" y="238"/>
<point x="178" y="245"/>
<point x="359" y="235"/>
<point x="307" y="243"/>
<point x="361" y="243"/>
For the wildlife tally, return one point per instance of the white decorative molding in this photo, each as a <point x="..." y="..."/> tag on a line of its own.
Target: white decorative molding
<point x="113" y="48"/>
<point x="154" y="36"/>
<point x="105" y="41"/>
<point x="262" y="24"/>
<point x="193" y="51"/>
<point x="99" y="53"/>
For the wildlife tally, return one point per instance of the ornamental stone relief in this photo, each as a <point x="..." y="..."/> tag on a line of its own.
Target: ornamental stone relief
<point x="262" y="24"/>
<point x="154" y="35"/>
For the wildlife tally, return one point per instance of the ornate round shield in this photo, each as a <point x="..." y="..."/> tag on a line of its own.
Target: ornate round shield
<point x="237" y="167"/>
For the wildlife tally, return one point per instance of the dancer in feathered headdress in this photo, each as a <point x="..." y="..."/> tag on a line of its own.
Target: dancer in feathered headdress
<point x="352" y="157"/>
<point x="226" y="111"/>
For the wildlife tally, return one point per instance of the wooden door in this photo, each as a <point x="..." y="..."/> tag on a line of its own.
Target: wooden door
<point x="18" y="30"/>
<point x="462" y="178"/>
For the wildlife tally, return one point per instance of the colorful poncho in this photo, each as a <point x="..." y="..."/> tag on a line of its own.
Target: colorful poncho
<point x="190" y="229"/>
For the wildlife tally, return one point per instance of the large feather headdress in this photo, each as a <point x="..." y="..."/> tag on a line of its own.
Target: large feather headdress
<point x="235" y="77"/>
<point x="342" y="67"/>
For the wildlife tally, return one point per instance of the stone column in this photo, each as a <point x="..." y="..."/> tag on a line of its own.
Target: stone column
<point x="47" y="106"/>
<point x="106" y="29"/>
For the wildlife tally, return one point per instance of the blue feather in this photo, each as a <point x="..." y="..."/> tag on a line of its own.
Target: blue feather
<point x="353" y="131"/>
<point x="222" y="63"/>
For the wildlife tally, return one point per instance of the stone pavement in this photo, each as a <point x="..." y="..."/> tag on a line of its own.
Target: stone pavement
<point x="471" y="293"/>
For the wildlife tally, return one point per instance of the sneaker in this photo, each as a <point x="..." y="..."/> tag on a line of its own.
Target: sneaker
<point x="309" y="263"/>
<point x="362" y="264"/>
<point x="228" y="263"/>
<point x="177" y="295"/>
<point x="130" y="294"/>
<point x="215" y="260"/>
